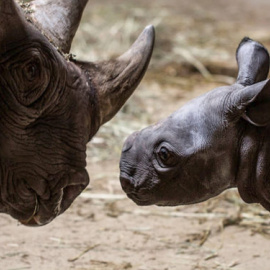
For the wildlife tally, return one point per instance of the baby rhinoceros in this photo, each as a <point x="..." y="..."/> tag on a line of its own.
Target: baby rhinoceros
<point x="50" y="106"/>
<point x="217" y="141"/>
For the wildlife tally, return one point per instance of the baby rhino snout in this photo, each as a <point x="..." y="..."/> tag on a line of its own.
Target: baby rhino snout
<point x="127" y="184"/>
<point x="128" y="163"/>
<point x="129" y="141"/>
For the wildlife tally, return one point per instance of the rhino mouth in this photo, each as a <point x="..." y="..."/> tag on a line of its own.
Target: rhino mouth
<point x="42" y="214"/>
<point x="140" y="195"/>
<point x="139" y="200"/>
<point x="46" y="211"/>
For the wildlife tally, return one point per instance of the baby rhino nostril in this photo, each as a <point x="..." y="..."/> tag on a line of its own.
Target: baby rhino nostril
<point x="129" y="142"/>
<point x="126" y="184"/>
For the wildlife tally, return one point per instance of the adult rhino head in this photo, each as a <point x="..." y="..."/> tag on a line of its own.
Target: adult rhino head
<point x="217" y="141"/>
<point x="50" y="107"/>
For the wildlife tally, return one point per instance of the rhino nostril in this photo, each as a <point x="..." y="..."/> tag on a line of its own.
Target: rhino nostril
<point x="126" y="184"/>
<point x="129" y="141"/>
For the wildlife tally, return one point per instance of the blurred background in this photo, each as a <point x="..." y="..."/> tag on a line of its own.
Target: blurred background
<point x="195" y="52"/>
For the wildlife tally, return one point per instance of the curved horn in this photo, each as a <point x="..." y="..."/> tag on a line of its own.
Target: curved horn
<point x="115" y="80"/>
<point x="253" y="62"/>
<point x="58" y="19"/>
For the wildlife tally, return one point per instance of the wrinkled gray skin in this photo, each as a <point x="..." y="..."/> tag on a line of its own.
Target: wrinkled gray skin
<point x="50" y="107"/>
<point x="217" y="141"/>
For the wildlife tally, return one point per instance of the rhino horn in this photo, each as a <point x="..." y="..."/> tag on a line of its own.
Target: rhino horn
<point x="253" y="62"/>
<point x="58" y="20"/>
<point x="115" y="80"/>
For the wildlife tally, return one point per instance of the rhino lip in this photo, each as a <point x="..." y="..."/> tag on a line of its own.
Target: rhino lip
<point x="70" y="193"/>
<point x="32" y="221"/>
<point x="41" y="218"/>
<point x="133" y="191"/>
<point x="139" y="201"/>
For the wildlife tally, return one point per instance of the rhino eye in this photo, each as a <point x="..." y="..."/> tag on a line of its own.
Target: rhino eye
<point x="164" y="154"/>
<point x="166" y="157"/>
<point x="31" y="71"/>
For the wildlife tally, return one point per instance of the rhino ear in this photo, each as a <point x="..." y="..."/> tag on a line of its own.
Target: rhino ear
<point x="252" y="103"/>
<point x="253" y="62"/>
<point x="58" y="20"/>
<point x="115" y="80"/>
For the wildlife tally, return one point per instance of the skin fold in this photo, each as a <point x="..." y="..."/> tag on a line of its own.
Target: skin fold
<point x="217" y="141"/>
<point x="52" y="105"/>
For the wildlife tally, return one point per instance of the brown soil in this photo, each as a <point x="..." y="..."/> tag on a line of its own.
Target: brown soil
<point x="103" y="230"/>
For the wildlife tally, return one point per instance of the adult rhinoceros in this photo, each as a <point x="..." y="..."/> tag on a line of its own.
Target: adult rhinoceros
<point x="217" y="141"/>
<point x="51" y="107"/>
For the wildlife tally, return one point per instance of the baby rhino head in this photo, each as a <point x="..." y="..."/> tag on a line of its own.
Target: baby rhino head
<point x="195" y="153"/>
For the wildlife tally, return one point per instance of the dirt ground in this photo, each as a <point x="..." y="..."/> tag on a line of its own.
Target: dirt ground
<point x="103" y="230"/>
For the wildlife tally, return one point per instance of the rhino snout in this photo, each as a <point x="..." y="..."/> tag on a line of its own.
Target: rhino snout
<point x="127" y="170"/>
<point x="127" y="184"/>
<point x="61" y="197"/>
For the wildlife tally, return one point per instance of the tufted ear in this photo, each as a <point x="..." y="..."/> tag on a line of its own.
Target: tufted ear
<point x="252" y="103"/>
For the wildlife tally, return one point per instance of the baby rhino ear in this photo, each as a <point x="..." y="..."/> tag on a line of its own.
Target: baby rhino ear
<point x="253" y="62"/>
<point x="253" y="103"/>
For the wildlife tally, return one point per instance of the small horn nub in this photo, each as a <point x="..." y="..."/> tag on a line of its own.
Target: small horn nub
<point x="58" y="19"/>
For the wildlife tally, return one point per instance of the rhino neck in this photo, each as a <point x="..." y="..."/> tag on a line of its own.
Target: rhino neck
<point x="253" y="173"/>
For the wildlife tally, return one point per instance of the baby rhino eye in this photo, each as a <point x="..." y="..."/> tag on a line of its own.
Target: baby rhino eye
<point x="164" y="154"/>
<point x="167" y="157"/>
